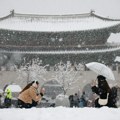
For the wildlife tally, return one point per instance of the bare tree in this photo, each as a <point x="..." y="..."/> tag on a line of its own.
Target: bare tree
<point x="30" y="72"/>
<point x="66" y="76"/>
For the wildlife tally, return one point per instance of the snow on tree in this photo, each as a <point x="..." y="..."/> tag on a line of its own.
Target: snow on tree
<point x="66" y="76"/>
<point x="33" y="71"/>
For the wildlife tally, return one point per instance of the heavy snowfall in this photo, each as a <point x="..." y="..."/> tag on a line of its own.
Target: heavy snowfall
<point x="61" y="70"/>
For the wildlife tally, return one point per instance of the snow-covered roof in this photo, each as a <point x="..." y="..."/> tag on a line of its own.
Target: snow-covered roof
<point x="56" y="23"/>
<point x="13" y="88"/>
<point x="114" y="38"/>
<point x="117" y="59"/>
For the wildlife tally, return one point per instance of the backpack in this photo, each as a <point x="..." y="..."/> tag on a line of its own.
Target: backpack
<point x="112" y="97"/>
<point x="113" y="93"/>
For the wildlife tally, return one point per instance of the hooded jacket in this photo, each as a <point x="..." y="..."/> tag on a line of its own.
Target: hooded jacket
<point x="8" y="94"/>
<point x="29" y="95"/>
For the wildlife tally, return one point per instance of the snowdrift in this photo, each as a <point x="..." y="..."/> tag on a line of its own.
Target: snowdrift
<point x="60" y="113"/>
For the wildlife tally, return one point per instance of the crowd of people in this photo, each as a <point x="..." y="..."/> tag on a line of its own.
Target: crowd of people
<point x="102" y="95"/>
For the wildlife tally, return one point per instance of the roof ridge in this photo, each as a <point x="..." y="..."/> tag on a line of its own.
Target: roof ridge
<point x="60" y="15"/>
<point x="90" y="14"/>
<point x="5" y="17"/>
<point x="105" y="18"/>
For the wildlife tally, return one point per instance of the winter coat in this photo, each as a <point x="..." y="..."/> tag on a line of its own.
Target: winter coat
<point x="102" y="93"/>
<point x="82" y="102"/>
<point x="76" y="100"/>
<point x="113" y="97"/>
<point x="8" y="94"/>
<point x="8" y="97"/>
<point x="29" y="95"/>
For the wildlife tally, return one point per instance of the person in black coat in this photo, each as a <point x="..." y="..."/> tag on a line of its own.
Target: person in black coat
<point x="102" y="89"/>
<point x="71" y="100"/>
<point x="113" y="97"/>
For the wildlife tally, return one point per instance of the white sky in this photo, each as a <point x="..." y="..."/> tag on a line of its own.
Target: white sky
<point x="104" y="8"/>
<point x="109" y="8"/>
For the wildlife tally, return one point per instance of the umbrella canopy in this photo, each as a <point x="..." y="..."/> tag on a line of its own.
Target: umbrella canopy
<point x="13" y="88"/>
<point x="101" y="69"/>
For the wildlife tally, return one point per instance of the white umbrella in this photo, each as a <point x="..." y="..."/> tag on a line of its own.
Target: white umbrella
<point x="101" y="69"/>
<point x="13" y="88"/>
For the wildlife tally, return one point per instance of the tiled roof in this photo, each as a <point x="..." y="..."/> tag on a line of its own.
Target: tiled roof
<point x="56" y="23"/>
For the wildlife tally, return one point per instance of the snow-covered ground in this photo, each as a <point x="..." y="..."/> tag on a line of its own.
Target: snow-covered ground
<point x="60" y="113"/>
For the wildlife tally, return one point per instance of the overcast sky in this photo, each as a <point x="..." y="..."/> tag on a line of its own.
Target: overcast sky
<point x="105" y="8"/>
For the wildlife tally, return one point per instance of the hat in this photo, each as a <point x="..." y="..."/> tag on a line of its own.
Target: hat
<point x="100" y="77"/>
<point x="35" y="81"/>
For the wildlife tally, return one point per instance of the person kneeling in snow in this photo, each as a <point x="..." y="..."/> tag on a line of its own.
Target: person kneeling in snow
<point x="29" y="96"/>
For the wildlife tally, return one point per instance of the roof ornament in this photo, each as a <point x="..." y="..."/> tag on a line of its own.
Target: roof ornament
<point x="92" y="11"/>
<point x="12" y="12"/>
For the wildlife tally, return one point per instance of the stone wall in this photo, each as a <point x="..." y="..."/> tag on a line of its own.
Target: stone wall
<point x="83" y="78"/>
